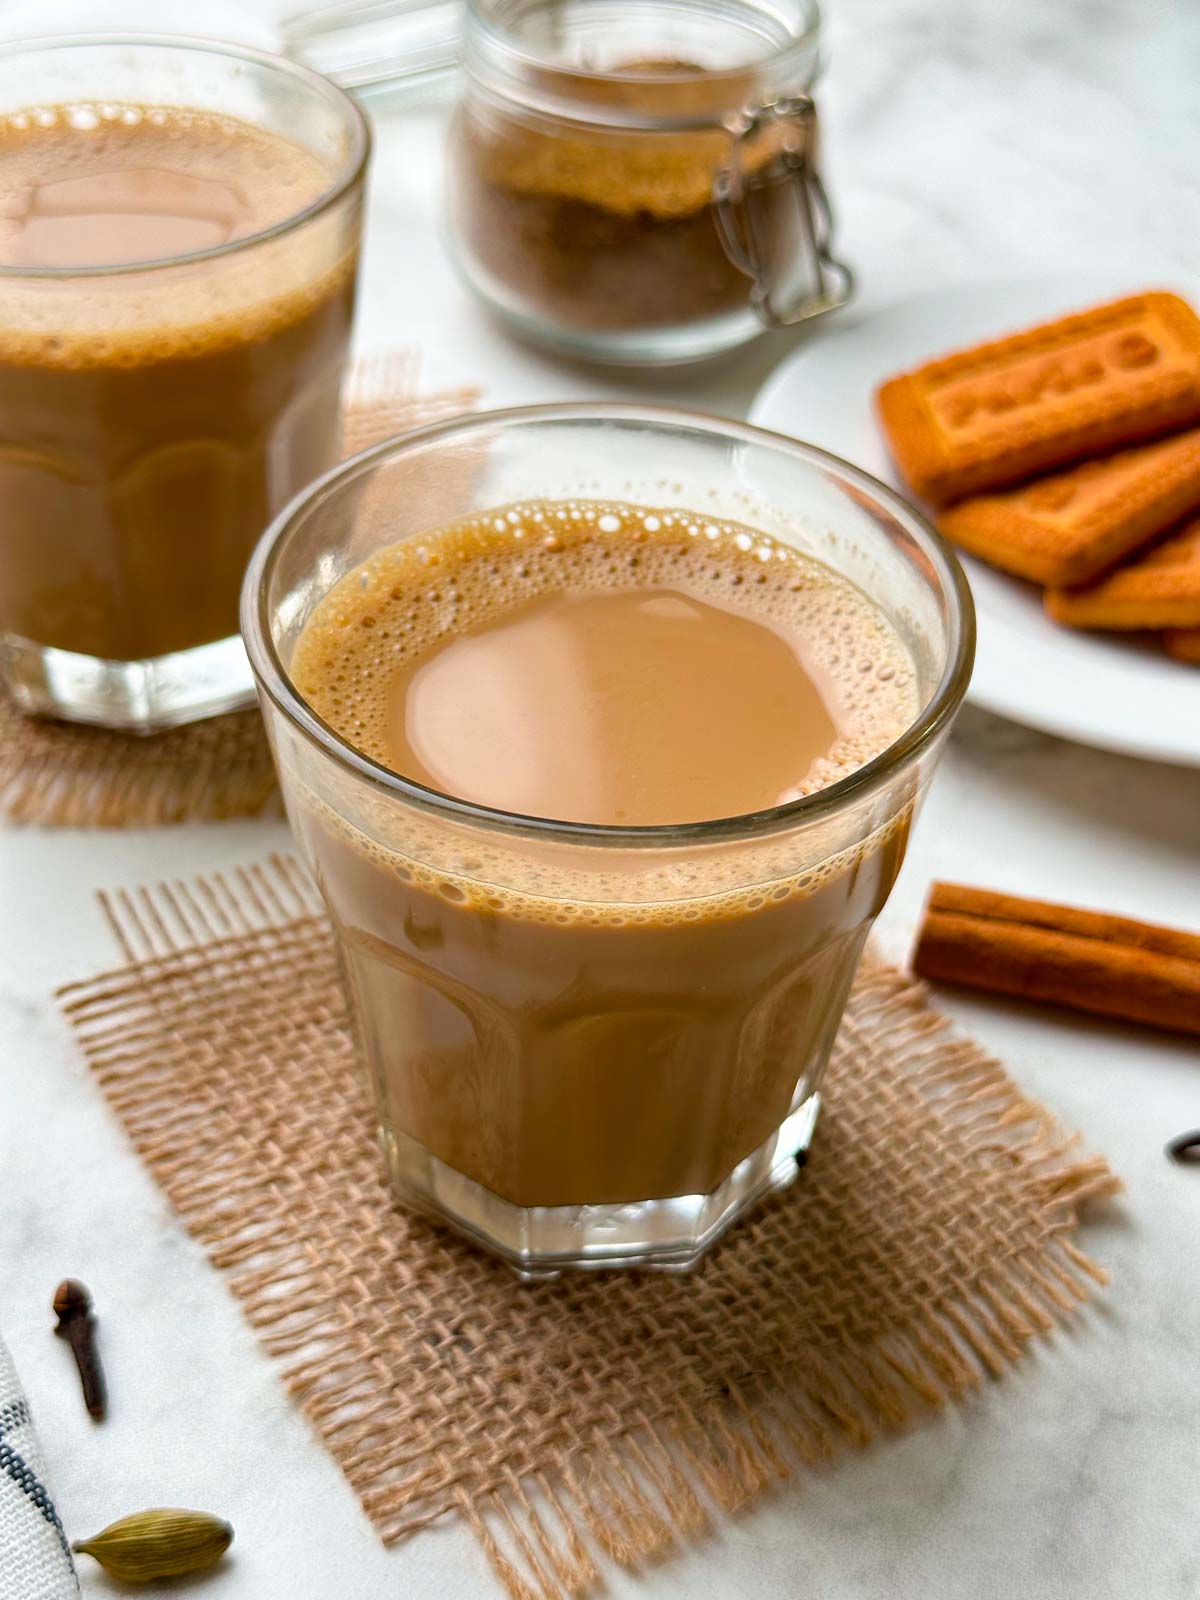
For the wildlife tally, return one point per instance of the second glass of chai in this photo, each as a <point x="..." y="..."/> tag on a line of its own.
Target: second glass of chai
<point x="179" y="233"/>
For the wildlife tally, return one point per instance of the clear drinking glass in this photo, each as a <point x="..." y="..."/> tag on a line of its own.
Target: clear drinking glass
<point x="552" y="1077"/>
<point x="154" y="416"/>
<point x="638" y="180"/>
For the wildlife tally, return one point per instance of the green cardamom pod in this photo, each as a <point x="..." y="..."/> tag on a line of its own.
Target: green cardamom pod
<point x="158" y="1544"/>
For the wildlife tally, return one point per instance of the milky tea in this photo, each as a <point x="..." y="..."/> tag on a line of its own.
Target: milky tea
<point x="564" y="1036"/>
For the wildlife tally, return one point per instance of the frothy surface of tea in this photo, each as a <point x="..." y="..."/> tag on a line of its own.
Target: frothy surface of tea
<point x="95" y="186"/>
<point x="607" y="663"/>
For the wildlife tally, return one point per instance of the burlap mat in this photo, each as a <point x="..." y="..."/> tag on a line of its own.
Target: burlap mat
<point x="72" y="776"/>
<point x="607" y="1416"/>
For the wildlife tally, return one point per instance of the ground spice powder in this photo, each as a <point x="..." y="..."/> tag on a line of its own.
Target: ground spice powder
<point x="601" y="227"/>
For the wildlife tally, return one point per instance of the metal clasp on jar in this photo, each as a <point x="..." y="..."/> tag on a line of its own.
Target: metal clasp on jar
<point x="774" y="216"/>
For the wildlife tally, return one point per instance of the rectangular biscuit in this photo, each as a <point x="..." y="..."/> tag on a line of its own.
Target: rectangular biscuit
<point x="1072" y="526"/>
<point x="1183" y="644"/>
<point x="1160" y="589"/>
<point x="1000" y="412"/>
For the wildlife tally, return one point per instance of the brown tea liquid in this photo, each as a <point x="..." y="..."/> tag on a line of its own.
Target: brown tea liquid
<point x="627" y="1027"/>
<point x="151" y="425"/>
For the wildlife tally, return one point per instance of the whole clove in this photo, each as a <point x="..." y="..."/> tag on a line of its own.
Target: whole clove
<point x="77" y="1325"/>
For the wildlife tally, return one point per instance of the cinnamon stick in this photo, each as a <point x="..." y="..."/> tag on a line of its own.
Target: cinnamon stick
<point x="1087" y="960"/>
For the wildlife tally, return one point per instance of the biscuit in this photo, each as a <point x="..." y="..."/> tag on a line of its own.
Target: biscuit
<point x="1160" y="589"/>
<point x="1000" y="412"/>
<point x="1070" y="527"/>
<point x="1183" y="644"/>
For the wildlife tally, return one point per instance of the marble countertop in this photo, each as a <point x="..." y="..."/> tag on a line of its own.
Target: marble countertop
<point x="964" y="141"/>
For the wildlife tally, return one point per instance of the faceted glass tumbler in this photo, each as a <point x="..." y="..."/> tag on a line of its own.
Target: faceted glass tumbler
<point x="581" y="1053"/>
<point x="155" y="415"/>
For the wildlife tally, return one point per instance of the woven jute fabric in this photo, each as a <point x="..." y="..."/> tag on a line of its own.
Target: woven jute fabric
<point x="606" y="1417"/>
<point x="66" y="775"/>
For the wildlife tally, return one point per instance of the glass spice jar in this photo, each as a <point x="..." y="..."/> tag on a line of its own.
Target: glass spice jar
<point x="637" y="180"/>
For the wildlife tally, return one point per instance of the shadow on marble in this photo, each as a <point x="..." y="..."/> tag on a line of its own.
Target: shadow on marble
<point x="1093" y="789"/>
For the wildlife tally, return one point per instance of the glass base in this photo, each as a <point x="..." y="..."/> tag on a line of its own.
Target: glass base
<point x="129" y="696"/>
<point x="544" y="1241"/>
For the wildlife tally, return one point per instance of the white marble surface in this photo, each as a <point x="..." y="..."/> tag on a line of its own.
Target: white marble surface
<point x="964" y="140"/>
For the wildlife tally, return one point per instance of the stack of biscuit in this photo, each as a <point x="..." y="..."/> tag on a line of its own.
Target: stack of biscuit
<point x="1070" y="455"/>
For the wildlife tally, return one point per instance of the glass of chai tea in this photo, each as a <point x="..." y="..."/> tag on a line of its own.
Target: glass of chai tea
<point x="602" y="729"/>
<point x="179" y="234"/>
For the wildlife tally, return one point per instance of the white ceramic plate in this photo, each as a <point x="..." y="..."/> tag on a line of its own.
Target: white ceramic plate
<point x="1119" y="693"/>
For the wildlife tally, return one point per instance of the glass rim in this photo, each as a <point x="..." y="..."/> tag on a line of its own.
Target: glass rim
<point x="483" y="22"/>
<point x="934" y="715"/>
<point x="339" y="185"/>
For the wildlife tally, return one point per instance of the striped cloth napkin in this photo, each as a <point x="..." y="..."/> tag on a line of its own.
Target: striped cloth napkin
<point x="35" y="1559"/>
